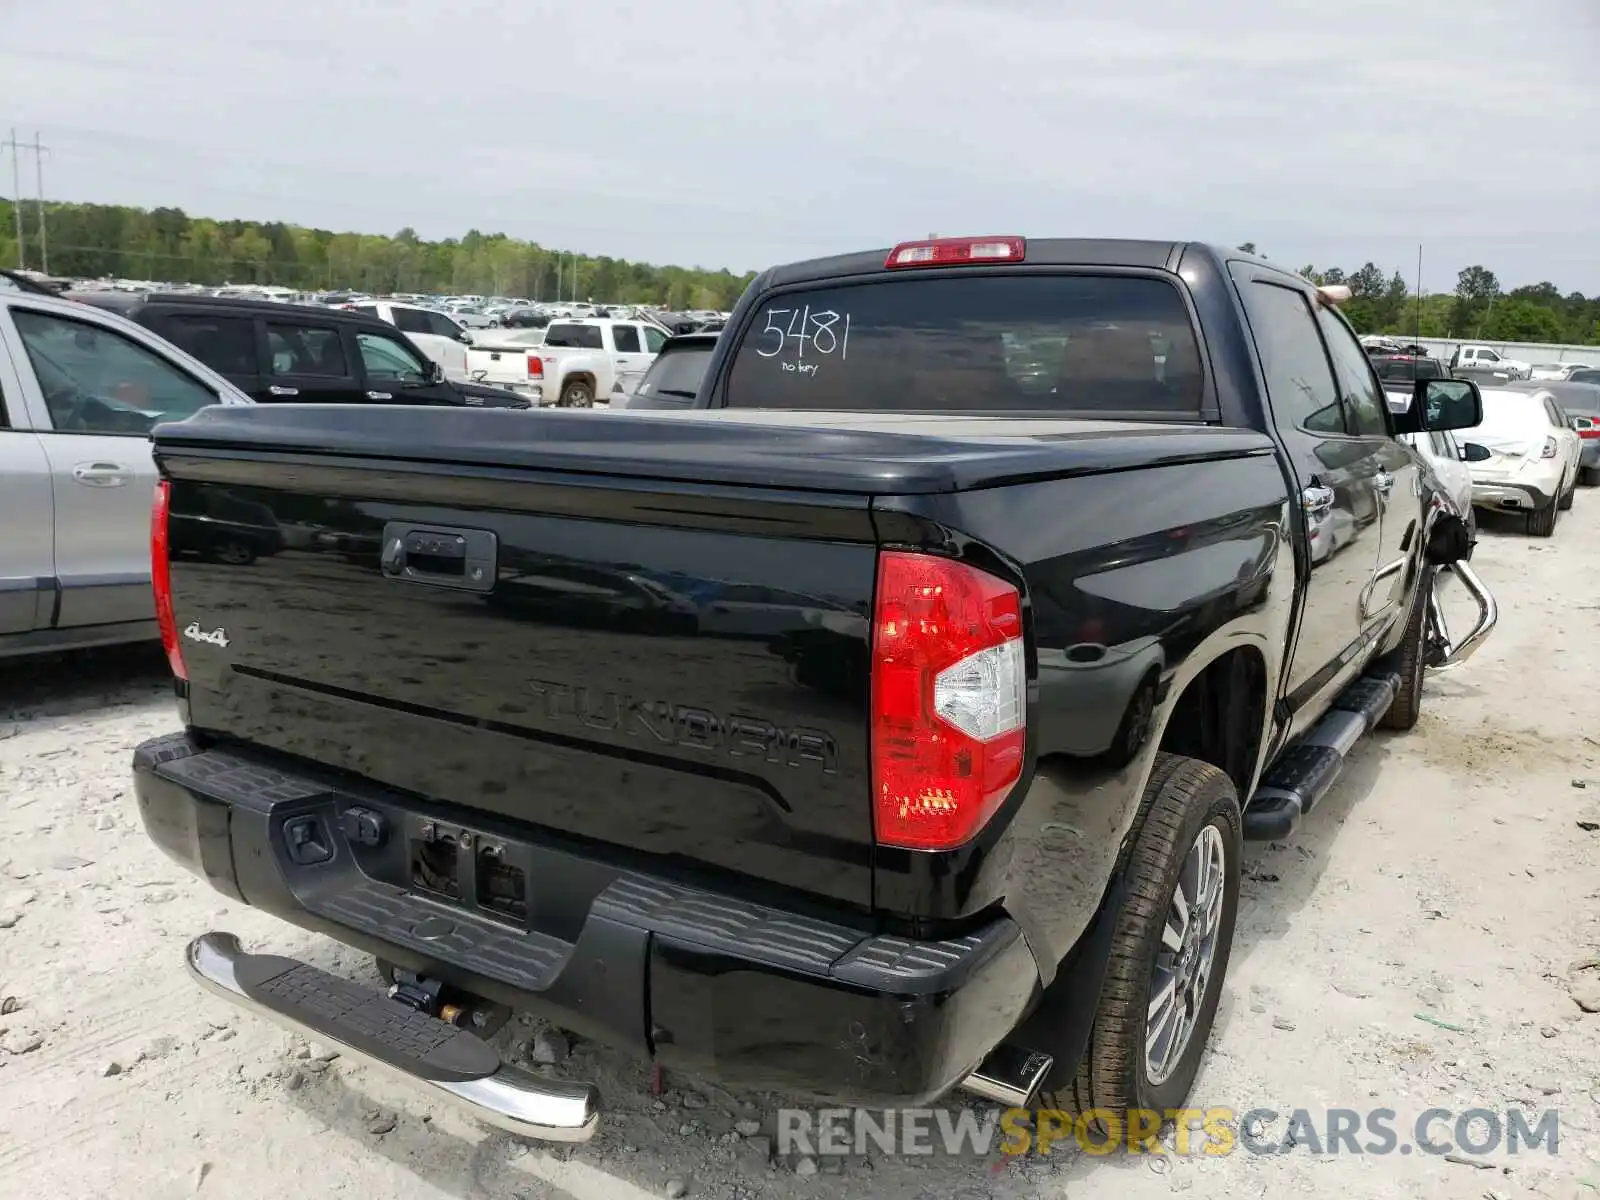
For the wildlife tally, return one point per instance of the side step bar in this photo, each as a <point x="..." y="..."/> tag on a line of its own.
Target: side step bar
<point x="447" y="1063"/>
<point x="1304" y="773"/>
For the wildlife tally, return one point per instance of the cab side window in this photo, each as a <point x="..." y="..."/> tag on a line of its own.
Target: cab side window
<point x="386" y="360"/>
<point x="1365" y="408"/>
<point x="1300" y="384"/>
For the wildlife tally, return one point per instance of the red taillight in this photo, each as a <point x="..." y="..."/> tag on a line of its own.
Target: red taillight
<point x="1587" y="428"/>
<point x="948" y="700"/>
<point x="949" y="252"/>
<point x="161" y="578"/>
<point x="535" y="367"/>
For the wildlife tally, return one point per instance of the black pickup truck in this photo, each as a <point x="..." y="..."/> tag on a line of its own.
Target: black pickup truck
<point x="889" y="722"/>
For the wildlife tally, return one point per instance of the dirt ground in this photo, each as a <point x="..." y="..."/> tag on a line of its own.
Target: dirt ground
<point x="1420" y="944"/>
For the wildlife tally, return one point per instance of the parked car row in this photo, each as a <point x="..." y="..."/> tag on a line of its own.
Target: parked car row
<point x="1540" y="438"/>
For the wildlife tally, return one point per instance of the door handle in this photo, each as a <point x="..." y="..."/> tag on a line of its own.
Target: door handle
<point x="1383" y="481"/>
<point x="101" y="474"/>
<point x="1316" y="498"/>
<point x="463" y="559"/>
<point x="275" y="390"/>
<point x="380" y="396"/>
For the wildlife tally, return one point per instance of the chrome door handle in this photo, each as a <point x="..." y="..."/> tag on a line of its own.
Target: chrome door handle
<point x="1383" y="481"/>
<point x="275" y="390"/>
<point x="1316" y="499"/>
<point x="380" y="396"/>
<point x="101" y="474"/>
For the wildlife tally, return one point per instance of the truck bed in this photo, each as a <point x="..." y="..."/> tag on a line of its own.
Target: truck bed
<point x="666" y="660"/>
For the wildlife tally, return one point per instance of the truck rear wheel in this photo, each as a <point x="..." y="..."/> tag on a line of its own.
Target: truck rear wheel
<point x="577" y="394"/>
<point x="1169" y="950"/>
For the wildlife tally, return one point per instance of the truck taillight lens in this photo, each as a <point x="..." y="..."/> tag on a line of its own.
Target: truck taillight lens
<point x="1588" y="429"/>
<point x="1550" y="448"/>
<point x="161" y="578"/>
<point x="535" y="367"/>
<point x="949" y="700"/>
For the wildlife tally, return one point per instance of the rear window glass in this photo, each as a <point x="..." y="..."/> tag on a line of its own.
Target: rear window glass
<point x="673" y="379"/>
<point x="1406" y="370"/>
<point x="1066" y="343"/>
<point x="579" y="337"/>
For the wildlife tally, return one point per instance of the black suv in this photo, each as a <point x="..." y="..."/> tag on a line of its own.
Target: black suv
<point x="299" y="353"/>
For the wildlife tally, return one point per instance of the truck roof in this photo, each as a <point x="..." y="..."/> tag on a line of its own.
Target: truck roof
<point x="1050" y="252"/>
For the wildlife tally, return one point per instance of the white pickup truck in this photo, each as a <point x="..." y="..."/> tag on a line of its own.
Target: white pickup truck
<point x="436" y="335"/>
<point x="575" y="364"/>
<point x="1482" y="358"/>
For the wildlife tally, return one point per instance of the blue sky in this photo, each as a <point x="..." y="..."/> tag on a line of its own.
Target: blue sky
<point x="723" y="133"/>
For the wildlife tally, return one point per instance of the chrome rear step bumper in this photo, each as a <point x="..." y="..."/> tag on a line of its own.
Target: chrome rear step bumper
<point x="366" y="1026"/>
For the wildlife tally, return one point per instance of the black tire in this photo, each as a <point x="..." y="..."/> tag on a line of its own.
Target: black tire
<point x="577" y="393"/>
<point x="1184" y="797"/>
<point x="234" y="553"/>
<point x="1542" y="521"/>
<point x="1590" y="477"/>
<point x="1412" y="659"/>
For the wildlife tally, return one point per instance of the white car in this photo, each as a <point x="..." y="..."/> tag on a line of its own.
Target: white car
<point x="440" y="337"/>
<point x="1555" y="372"/>
<point x="1523" y="457"/>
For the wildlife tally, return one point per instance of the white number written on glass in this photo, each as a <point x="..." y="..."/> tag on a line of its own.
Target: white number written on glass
<point x="825" y="332"/>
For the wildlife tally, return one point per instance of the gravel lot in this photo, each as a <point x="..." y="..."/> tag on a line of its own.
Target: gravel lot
<point x="1449" y="878"/>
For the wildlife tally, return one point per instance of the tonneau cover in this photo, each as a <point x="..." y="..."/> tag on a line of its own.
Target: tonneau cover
<point x="858" y="453"/>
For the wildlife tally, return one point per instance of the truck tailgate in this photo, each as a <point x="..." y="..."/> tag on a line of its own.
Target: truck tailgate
<point x="665" y="673"/>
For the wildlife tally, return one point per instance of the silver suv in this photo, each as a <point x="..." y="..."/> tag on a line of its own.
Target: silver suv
<point x="80" y="389"/>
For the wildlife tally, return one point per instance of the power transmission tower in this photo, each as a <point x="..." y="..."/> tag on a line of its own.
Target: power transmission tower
<point x="16" y="198"/>
<point x="39" y="152"/>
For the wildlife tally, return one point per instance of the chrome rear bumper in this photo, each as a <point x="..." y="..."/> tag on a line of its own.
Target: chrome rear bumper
<point x="498" y="1094"/>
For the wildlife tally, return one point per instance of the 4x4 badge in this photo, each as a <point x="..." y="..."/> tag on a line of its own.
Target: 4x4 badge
<point x="217" y="637"/>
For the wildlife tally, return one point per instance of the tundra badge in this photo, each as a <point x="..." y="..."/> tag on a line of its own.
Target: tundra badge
<point x="217" y="637"/>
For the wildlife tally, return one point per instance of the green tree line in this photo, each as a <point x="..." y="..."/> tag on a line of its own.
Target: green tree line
<point x="97" y="241"/>
<point x="116" y="241"/>
<point x="1477" y="309"/>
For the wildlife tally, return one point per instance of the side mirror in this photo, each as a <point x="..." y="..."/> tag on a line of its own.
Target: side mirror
<point x="465" y="337"/>
<point x="1473" y="452"/>
<point x="1439" y="405"/>
<point x="435" y="372"/>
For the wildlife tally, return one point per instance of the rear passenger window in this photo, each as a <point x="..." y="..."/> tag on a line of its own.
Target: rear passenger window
<point x="225" y="344"/>
<point x="306" y="350"/>
<point x="1365" y="406"/>
<point x="625" y="338"/>
<point x="574" y="337"/>
<point x="441" y="325"/>
<point x="1019" y="343"/>
<point x="409" y="320"/>
<point x="1299" y="380"/>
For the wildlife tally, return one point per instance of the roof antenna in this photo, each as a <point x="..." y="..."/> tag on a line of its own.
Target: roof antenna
<point x="1417" y="326"/>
